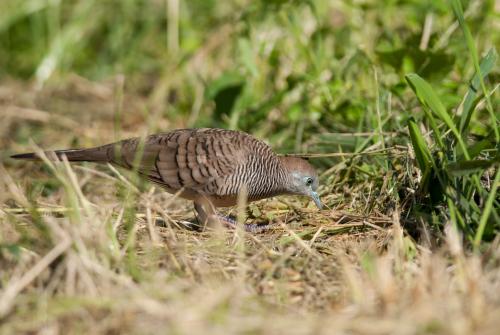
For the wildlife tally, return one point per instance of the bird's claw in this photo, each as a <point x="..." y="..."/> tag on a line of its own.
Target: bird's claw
<point x="231" y="223"/>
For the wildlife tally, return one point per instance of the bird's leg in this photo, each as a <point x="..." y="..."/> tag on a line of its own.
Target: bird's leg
<point x="204" y="211"/>
<point x="207" y="215"/>
<point x="248" y="227"/>
<point x="253" y="227"/>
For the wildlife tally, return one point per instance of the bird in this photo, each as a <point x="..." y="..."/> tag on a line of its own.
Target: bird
<point x="209" y="166"/>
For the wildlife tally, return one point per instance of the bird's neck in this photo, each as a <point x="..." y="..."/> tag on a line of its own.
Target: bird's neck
<point x="270" y="184"/>
<point x="287" y="169"/>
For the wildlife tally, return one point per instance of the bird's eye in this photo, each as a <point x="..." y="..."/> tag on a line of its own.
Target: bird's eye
<point x="309" y="181"/>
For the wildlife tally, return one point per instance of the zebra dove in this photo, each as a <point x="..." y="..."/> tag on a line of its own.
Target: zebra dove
<point x="209" y="166"/>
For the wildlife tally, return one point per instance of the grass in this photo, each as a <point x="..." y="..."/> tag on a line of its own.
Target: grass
<point x="396" y="103"/>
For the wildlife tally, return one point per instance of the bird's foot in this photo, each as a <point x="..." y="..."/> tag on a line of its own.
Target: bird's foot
<point x="207" y="215"/>
<point x="231" y="223"/>
<point x="193" y="225"/>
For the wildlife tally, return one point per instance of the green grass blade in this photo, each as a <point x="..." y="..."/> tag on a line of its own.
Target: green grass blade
<point x="488" y="207"/>
<point x="12" y="12"/>
<point x="429" y="98"/>
<point x="470" y="167"/>
<point x="475" y="149"/>
<point x="421" y="96"/>
<point x="422" y="153"/>
<point x="65" y="45"/>
<point x="487" y="64"/>
<point x="459" y="13"/>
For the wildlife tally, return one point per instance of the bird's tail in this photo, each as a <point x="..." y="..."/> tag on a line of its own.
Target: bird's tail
<point x="97" y="154"/>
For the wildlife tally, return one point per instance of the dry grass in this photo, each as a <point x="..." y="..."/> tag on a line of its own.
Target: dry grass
<point x="83" y="252"/>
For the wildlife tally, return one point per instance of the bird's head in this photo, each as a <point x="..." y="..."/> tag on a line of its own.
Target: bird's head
<point x="302" y="178"/>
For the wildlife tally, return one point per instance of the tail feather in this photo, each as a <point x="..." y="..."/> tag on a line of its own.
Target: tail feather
<point x="99" y="154"/>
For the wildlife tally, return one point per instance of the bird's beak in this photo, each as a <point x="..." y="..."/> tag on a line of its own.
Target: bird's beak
<point x="317" y="200"/>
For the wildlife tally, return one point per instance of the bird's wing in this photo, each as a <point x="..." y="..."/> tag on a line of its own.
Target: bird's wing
<point x="196" y="159"/>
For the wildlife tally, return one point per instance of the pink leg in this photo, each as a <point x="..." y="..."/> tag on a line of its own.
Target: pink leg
<point x="206" y="212"/>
